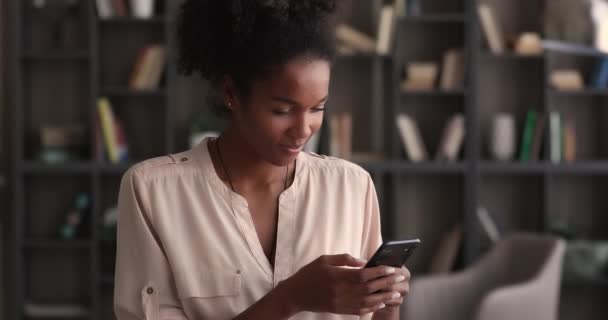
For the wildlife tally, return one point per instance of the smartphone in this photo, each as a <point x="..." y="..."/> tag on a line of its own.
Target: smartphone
<point x="393" y="253"/>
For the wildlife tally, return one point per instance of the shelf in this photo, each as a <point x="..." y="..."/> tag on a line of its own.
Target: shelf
<point x="571" y="48"/>
<point x="363" y="56"/>
<point x="584" y="92"/>
<point x="59" y="168"/>
<point x="119" y="168"/>
<point x="512" y="167"/>
<point x="398" y="167"/>
<point x="577" y="283"/>
<point x="56" y="244"/>
<point x="582" y="168"/>
<point x="512" y="56"/>
<point x="433" y="93"/>
<point x="71" y="56"/>
<point x="435" y="18"/>
<point x="127" y="92"/>
<point x="132" y="21"/>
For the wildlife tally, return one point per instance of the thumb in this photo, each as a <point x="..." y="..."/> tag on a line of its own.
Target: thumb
<point x="340" y="260"/>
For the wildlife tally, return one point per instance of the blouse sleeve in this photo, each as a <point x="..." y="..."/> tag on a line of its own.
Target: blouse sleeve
<point x="144" y="286"/>
<point x="372" y="234"/>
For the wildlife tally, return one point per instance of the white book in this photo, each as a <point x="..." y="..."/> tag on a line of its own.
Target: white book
<point x="491" y="28"/>
<point x="452" y="139"/>
<point x="386" y="29"/>
<point x="555" y="139"/>
<point x="104" y="8"/>
<point x="411" y="138"/>
<point x="452" y="75"/>
<point x="355" y="39"/>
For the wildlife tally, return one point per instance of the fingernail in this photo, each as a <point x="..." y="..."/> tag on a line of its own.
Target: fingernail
<point x="389" y="270"/>
<point x="362" y="261"/>
<point x="395" y="295"/>
<point x="381" y="306"/>
<point x="399" y="279"/>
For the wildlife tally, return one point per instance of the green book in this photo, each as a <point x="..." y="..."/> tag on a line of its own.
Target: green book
<point x="528" y="136"/>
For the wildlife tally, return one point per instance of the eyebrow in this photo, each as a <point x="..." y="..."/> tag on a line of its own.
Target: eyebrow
<point x="295" y="103"/>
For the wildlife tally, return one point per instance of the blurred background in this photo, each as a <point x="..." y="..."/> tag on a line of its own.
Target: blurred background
<point x="482" y="123"/>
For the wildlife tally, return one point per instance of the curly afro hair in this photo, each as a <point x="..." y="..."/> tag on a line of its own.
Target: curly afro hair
<point x="245" y="39"/>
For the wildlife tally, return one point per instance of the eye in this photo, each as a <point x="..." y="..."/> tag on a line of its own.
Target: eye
<point x="318" y="109"/>
<point x="281" y="112"/>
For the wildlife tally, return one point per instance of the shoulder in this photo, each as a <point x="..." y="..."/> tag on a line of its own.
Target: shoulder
<point x="164" y="167"/>
<point x="332" y="166"/>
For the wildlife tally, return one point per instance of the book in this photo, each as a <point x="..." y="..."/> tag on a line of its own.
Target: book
<point x="108" y="129"/>
<point x="445" y="257"/>
<point x="401" y="8"/>
<point x="600" y="80"/>
<point x="555" y="137"/>
<point x="386" y="30"/>
<point x="119" y="8"/>
<point x="537" y="141"/>
<point x="411" y="138"/>
<point x="488" y="225"/>
<point x="527" y="136"/>
<point x="148" y="68"/>
<point x="452" y="75"/>
<point x="452" y="138"/>
<point x="340" y="141"/>
<point x="491" y="28"/>
<point x="355" y="39"/>
<point x="569" y="140"/>
<point x="136" y="79"/>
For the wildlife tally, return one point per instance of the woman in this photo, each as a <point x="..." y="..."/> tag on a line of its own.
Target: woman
<point x="246" y="226"/>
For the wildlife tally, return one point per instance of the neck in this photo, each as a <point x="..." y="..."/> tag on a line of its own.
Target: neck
<point x="244" y="165"/>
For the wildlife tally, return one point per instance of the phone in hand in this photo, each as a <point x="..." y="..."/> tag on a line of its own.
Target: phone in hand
<point x="393" y="253"/>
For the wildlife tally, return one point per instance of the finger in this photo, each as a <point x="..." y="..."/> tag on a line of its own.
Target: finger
<point x="394" y="302"/>
<point x="379" y="298"/>
<point x="367" y="274"/>
<point x="342" y="260"/>
<point x="401" y="287"/>
<point x="384" y="283"/>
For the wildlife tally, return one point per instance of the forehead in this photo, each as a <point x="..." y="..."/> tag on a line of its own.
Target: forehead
<point x="302" y="75"/>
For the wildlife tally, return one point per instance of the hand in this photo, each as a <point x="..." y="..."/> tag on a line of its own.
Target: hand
<point x="325" y="285"/>
<point x="403" y="286"/>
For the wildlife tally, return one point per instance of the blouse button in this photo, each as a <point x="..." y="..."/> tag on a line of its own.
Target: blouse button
<point x="238" y="271"/>
<point x="150" y="290"/>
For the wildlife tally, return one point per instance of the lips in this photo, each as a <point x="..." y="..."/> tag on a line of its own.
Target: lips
<point x="292" y="148"/>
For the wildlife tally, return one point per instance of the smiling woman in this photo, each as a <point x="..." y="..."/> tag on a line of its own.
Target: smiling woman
<point x="247" y="226"/>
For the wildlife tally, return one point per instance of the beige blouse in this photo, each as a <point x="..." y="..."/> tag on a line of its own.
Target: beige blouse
<point x="188" y="248"/>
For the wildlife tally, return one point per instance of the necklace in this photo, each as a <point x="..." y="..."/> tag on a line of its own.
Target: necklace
<point x="219" y="154"/>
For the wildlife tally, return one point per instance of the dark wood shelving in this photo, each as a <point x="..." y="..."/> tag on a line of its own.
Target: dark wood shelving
<point x="127" y="92"/>
<point x="435" y="18"/>
<point x="56" y="244"/>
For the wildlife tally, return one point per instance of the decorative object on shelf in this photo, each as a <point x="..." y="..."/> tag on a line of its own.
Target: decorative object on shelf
<point x="569" y="20"/>
<point x="502" y="137"/>
<point x="586" y="260"/>
<point x="61" y="143"/>
<point x="148" y="68"/>
<point x="112" y="133"/>
<point x="529" y="43"/>
<point x="203" y="125"/>
<point x="420" y="76"/>
<point x="599" y="13"/>
<point x="386" y="30"/>
<point x="491" y="28"/>
<point x="452" y="73"/>
<point x="566" y="79"/>
<point x="65" y="311"/>
<point x="452" y="139"/>
<point x="354" y="40"/>
<point x="142" y="9"/>
<point x="411" y="138"/>
<point x="75" y="215"/>
<point x="108" y="224"/>
<point x="340" y="135"/>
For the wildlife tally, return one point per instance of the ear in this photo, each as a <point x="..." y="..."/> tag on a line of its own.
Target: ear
<point x="229" y="92"/>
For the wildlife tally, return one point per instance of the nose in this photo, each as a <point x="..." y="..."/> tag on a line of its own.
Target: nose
<point x="301" y="129"/>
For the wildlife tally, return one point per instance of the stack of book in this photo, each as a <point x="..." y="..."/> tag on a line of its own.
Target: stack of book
<point x="123" y="8"/>
<point x="110" y="139"/>
<point x="562" y="137"/>
<point x="425" y="75"/>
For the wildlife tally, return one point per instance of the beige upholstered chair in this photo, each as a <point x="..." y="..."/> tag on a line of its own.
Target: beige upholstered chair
<point x="519" y="278"/>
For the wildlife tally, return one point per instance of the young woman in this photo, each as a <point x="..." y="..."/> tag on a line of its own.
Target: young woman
<point x="246" y="226"/>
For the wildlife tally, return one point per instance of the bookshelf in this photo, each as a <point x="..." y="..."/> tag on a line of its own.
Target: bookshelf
<point x="97" y="60"/>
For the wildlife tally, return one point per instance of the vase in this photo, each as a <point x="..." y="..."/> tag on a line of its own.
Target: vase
<point x="142" y="9"/>
<point x="502" y="137"/>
